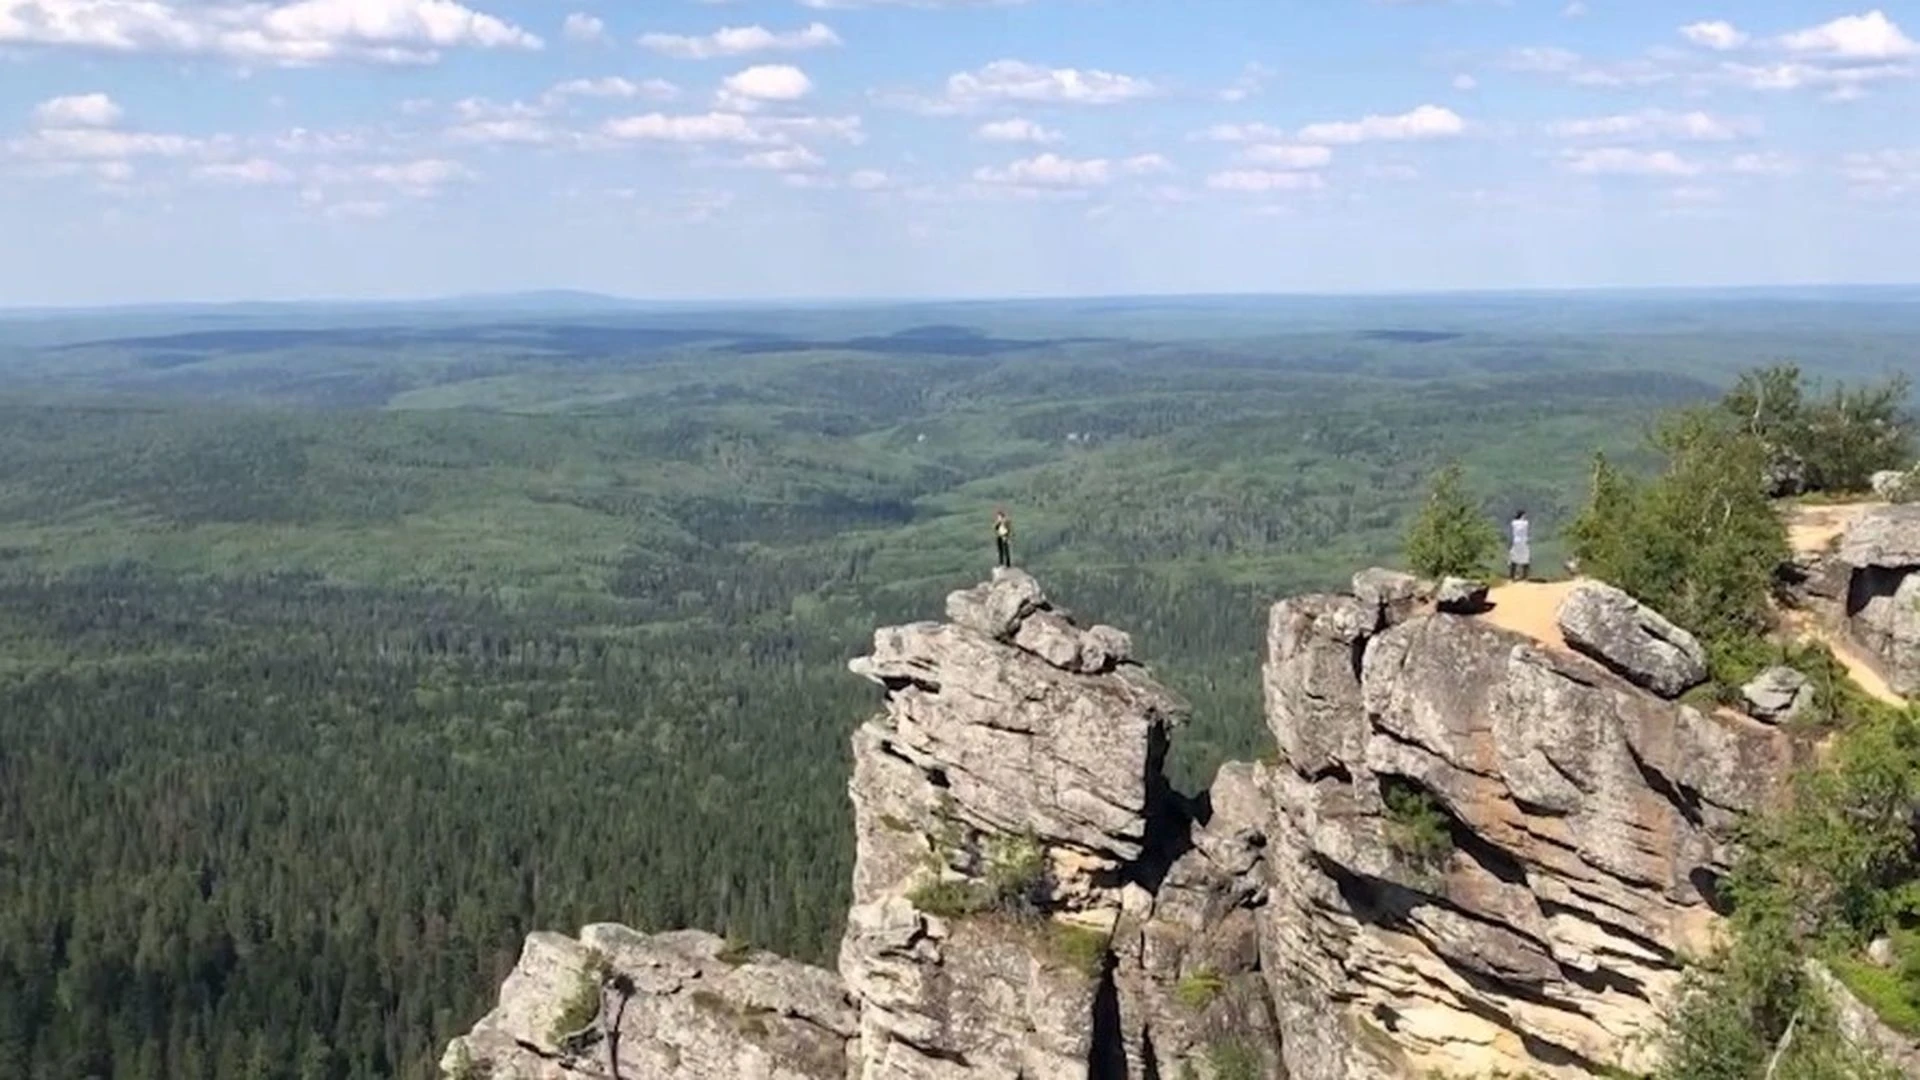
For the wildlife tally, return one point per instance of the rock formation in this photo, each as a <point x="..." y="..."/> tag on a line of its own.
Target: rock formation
<point x="1472" y="852"/>
<point x="1868" y="589"/>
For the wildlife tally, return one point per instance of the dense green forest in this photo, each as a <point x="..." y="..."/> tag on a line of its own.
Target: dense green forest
<point x="338" y="651"/>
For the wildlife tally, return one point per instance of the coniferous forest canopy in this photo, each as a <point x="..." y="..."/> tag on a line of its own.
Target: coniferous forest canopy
<point x="339" y="648"/>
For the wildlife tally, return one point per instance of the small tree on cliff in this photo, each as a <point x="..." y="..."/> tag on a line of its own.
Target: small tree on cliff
<point x="1451" y="537"/>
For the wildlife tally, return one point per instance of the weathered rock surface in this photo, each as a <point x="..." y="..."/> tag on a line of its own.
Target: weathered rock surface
<point x="1880" y="552"/>
<point x="1461" y="596"/>
<point x="616" y="1004"/>
<point x="1634" y="640"/>
<point x="1579" y="826"/>
<point x="1777" y="694"/>
<point x="1885" y="537"/>
<point x="1473" y="853"/>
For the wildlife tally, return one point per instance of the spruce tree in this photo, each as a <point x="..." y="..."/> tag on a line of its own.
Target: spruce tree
<point x="1451" y="538"/>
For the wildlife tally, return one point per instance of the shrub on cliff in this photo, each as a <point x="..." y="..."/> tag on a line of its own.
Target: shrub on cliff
<point x="1834" y="442"/>
<point x="1450" y="538"/>
<point x="1701" y="542"/>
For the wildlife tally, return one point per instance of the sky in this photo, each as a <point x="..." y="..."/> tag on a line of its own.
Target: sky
<point x="174" y="150"/>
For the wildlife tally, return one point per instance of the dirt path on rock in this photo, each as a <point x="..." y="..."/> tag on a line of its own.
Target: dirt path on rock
<point x="1813" y="530"/>
<point x="1531" y="608"/>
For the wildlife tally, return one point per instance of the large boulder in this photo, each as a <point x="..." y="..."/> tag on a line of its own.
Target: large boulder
<point x="1885" y="537"/>
<point x="1776" y="694"/>
<point x="1633" y="639"/>
<point x="998" y="606"/>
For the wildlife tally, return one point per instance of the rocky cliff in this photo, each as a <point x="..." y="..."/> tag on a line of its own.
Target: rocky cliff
<point x="1472" y="851"/>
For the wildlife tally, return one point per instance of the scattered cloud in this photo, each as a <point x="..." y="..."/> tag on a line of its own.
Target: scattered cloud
<point x="1843" y="82"/>
<point x="580" y="26"/>
<point x="741" y="41"/>
<point x="1146" y="164"/>
<point x="748" y="89"/>
<point x="252" y="171"/>
<point x="1017" y="80"/>
<point x="1575" y="9"/>
<point x="868" y="180"/>
<point x="1265" y="180"/>
<point x="1424" y="122"/>
<point x="1882" y="174"/>
<point x="613" y="86"/>
<point x="1048" y="170"/>
<point x="1288" y="156"/>
<point x="1464" y="81"/>
<point x="731" y="127"/>
<point x="1871" y="36"/>
<point x="1576" y="69"/>
<point x="512" y="129"/>
<point x="1624" y="161"/>
<point x="1716" y="34"/>
<point x="301" y="32"/>
<point x="77" y="110"/>
<point x="1242" y="133"/>
<point x="785" y="159"/>
<point x="1017" y="130"/>
<point x="1769" y="163"/>
<point x="420" y="178"/>
<point x="1253" y="79"/>
<point x="1654" y="123"/>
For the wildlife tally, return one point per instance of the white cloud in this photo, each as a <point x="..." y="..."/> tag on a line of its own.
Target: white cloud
<point x="785" y="159"/>
<point x="421" y="178"/>
<point x="1622" y="161"/>
<point x="1016" y="80"/>
<point x="1575" y="9"/>
<point x="1288" y="156"/>
<point x="1882" y="174"/>
<point x="868" y="180"/>
<point x="740" y="41"/>
<point x="77" y="110"/>
<point x="250" y="171"/>
<point x="613" y="86"/>
<point x="1871" y="36"/>
<point x="1693" y="195"/>
<point x="730" y="127"/>
<point x="1262" y="180"/>
<point x="764" y="82"/>
<point x="1769" y="163"/>
<point x="1424" y="122"/>
<point x="1016" y="129"/>
<point x="1463" y="81"/>
<point x="835" y="5"/>
<point x="1253" y="79"/>
<point x="1542" y="59"/>
<point x="296" y="33"/>
<point x="1795" y="75"/>
<point x="101" y="144"/>
<point x="1241" y="133"/>
<point x="513" y="129"/>
<point x="1652" y="123"/>
<point x="1146" y="164"/>
<point x="1553" y="60"/>
<point x="1048" y="170"/>
<point x="580" y="26"/>
<point x="1716" y="34"/>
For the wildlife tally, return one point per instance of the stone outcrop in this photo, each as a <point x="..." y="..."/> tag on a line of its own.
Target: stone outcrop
<point x="1777" y="694"/>
<point x="1608" y="625"/>
<point x="1868" y="589"/>
<point x="1472" y="852"/>
<point x="1484" y="854"/>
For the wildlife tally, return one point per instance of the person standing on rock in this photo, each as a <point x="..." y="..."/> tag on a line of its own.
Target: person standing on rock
<point x="1003" y="536"/>
<point x="1520" y="554"/>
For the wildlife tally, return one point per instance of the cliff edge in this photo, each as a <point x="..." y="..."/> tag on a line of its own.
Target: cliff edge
<point x="1474" y="850"/>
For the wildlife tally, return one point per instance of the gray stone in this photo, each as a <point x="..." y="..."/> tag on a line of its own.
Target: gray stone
<point x="1051" y="638"/>
<point x="1883" y="608"/>
<point x="1778" y="693"/>
<point x="1394" y="594"/>
<point x="1880" y="952"/>
<point x="1887" y="537"/>
<point x="1461" y="596"/>
<point x="1891" y="484"/>
<point x="996" y="607"/>
<point x="1103" y="648"/>
<point x="1608" y="625"/>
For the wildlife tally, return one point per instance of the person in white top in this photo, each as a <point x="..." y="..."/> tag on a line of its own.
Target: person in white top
<point x="1520" y="554"/>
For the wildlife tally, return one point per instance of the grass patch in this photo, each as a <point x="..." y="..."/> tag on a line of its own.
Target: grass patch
<point x="1078" y="947"/>
<point x="1233" y="1059"/>
<point x="1889" y="992"/>
<point x="1197" y="990"/>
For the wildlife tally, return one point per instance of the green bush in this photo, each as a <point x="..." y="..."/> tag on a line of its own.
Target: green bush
<point x="1838" y="440"/>
<point x="1080" y="948"/>
<point x="1198" y="989"/>
<point x="1892" y="996"/>
<point x="1451" y="537"/>
<point x="950" y="898"/>
<point x="1417" y="829"/>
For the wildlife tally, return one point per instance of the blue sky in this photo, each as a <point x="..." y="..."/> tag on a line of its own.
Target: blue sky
<point x="188" y="149"/>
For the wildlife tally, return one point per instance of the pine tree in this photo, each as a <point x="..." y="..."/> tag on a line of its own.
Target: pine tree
<point x="1451" y="537"/>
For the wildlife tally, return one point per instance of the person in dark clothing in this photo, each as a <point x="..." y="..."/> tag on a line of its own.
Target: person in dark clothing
<point x="1003" y="536"/>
